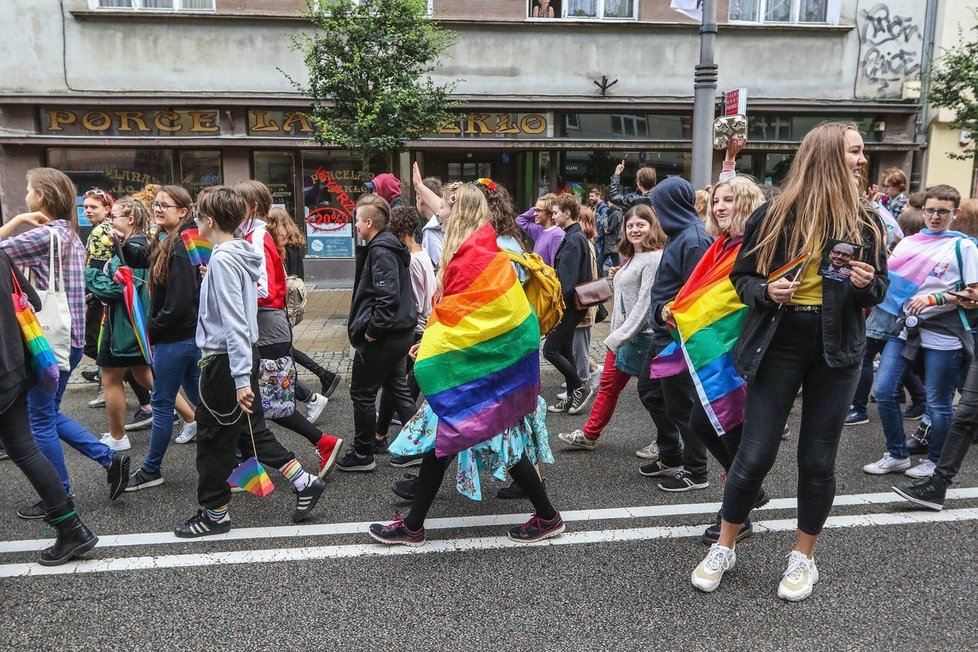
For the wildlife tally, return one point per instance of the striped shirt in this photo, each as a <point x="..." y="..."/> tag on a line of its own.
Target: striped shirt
<point x="31" y="249"/>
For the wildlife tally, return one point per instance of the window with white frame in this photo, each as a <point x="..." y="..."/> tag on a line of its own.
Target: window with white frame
<point x="157" y="5"/>
<point x="601" y="9"/>
<point x="785" y="11"/>
<point x="630" y="125"/>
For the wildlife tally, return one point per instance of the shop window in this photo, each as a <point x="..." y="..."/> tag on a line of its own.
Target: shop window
<point x="784" y="127"/>
<point x="120" y="171"/>
<point x="157" y="5"/>
<point x="277" y="171"/>
<point x="641" y="126"/>
<point x="200" y="169"/>
<point x="784" y="11"/>
<point x="630" y="126"/>
<point x="581" y="169"/>
<point x="331" y="184"/>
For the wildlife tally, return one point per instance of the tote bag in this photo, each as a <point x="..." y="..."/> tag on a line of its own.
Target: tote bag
<point x="55" y="313"/>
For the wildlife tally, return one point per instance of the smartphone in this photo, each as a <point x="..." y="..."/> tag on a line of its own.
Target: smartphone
<point x="961" y="296"/>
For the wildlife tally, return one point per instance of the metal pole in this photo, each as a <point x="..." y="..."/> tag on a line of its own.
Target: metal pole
<point x="704" y="99"/>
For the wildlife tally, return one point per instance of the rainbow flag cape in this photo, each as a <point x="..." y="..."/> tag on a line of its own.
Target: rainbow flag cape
<point x="251" y="476"/>
<point x="45" y="363"/>
<point x="790" y="266"/>
<point x="709" y="318"/>
<point x="479" y="360"/>
<point x="913" y="260"/>
<point x="198" y="247"/>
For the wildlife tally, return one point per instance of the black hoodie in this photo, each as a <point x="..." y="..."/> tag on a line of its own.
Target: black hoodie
<point x="383" y="298"/>
<point x="673" y="201"/>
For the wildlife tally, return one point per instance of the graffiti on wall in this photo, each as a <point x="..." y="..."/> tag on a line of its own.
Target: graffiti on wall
<point x="890" y="47"/>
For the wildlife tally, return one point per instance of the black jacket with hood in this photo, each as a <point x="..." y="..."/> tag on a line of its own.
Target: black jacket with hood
<point x="572" y="262"/>
<point x="673" y="201"/>
<point x="616" y="197"/>
<point x="383" y="298"/>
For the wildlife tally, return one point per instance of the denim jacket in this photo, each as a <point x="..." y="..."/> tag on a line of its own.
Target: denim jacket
<point x="843" y="323"/>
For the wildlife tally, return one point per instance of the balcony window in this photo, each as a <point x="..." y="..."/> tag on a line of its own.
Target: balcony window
<point x="784" y="11"/>
<point x="157" y="5"/>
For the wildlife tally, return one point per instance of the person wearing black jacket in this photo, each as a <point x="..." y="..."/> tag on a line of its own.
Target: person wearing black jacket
<point x="644" y="179"/>
<point x="573" y="266"/>
<point x="381" y="327"/>
<point x="16" y="378"/>
<point x="802" y="331"/>
<point x="682" y="461"/>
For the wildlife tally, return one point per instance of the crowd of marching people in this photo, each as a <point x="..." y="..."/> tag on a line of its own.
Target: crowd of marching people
<point x="726" y="304"/>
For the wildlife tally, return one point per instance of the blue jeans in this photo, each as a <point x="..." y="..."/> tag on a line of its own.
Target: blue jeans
<point x="48" y="425"/>
<point x="174" y="365"/>
<point x="941" y="369"/>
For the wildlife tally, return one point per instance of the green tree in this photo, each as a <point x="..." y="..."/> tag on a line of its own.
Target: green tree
<point x="954" y="86"/>
<point x="369" y="63"/>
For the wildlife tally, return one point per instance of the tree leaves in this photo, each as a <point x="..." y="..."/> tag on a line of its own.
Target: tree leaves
<point x="954" y="86"/>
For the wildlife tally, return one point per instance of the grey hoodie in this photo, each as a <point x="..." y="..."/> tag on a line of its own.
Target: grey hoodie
<point x="227" y="321"/>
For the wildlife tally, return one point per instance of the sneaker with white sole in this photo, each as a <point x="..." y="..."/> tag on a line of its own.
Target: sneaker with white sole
<point x="562" y="396"/>
<point x="577" y="439"/>
<point x="707" y="575"/>
<point x="923" y="470"/>
<point x="116" y="444"/>
<point x="683" y="480"/>
<point x="657" y="469"/>
<point x="188" y="433"/>
<point x="799" y="580"/>
<point x="650" y="452"/>
<point x="141" y="420"/>
<point x="315" y="407"/>
<point x="98" y="401"/>
<point x="887" y="464"/>
<point x="579" y="399"/>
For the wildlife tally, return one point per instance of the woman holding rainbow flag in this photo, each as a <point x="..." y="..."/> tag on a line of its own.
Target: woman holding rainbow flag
<point x="478" y="364"/>
<point x="800" y="332"/>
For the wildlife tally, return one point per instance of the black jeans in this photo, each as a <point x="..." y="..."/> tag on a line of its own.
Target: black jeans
<point x="724" y="448"/>
<point x="15" y="434"/>
<point x="303" y="360"/>
<point x="219" y="434"/>
<point x="381" y="364"/>
<point x="610" y="256"/>
<point x="963" y="428"/>
<point x="385" y="412"/>
<point x="911" y="381"/>
<point x="795" y="359"/>
<point x="558" y="348"/>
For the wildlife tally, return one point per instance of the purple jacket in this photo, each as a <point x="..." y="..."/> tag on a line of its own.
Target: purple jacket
<point x="546" y="242"/>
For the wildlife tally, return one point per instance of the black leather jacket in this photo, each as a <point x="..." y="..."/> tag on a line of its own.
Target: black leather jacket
<point x="383" y="298"/>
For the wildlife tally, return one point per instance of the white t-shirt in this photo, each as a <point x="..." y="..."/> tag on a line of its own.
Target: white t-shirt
<point x="944" y="277"/>
<point x="423" y="282"/>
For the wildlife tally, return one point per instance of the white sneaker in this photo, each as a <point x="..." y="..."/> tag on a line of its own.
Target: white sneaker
<point x="98" y="401"/>
<point x="315" y="407"/>
<point x="650" y="452"/>
<point x="116" y="444"/>
<point x="577" y="439"/>
<point x="706" y="577"/>
<point x="799" y="580"/>
<point x="923" y="470"/>
<point x="188" y="433"/>
<point x="888" y="464"/>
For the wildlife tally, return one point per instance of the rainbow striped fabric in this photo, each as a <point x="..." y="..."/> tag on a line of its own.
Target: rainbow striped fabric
<point x="251" y="476"/>
<point x="913" y="259"/>
<point x="479" y="360"/>
<point x="134" y="307"/>
<point x="709" y="318"/>
<point x="45" y="363"/>
<point x="197" y="246"/>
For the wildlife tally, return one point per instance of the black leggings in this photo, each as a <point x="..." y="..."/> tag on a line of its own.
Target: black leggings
<point x="15" y="433"/>
<point x="433" y="473"/>
<point x="558" y="348"/>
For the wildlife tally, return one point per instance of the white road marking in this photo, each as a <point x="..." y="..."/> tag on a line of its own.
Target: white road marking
<point x="333" y="529"/>
<point x="453" y="545"/>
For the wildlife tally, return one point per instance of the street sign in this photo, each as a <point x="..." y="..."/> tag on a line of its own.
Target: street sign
<point x="735" y="102"/>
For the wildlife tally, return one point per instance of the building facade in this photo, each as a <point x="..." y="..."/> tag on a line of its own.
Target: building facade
<point x="120" y="93"/>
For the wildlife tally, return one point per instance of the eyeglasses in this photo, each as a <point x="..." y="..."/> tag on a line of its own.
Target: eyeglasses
<point x="940" y="212"/>
<point x="162" y="206"/>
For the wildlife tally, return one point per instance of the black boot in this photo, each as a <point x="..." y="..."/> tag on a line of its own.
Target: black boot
<point x="327" y="378"/>
<point x="74" y="538"/>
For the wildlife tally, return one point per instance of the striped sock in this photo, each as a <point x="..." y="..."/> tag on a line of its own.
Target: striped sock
<point x="293" y="473"/>
<point x="217" y="513"/>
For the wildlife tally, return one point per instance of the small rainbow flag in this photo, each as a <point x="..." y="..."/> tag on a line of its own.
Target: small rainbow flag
<point x="251" y="476"/>
<point x="788" y="267"/>
<point x="45" y="364"/>
<point x="479" y="361"/>
<point x="198" y="247"/>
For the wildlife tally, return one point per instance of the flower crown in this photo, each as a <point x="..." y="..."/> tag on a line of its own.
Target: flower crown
<point x="488" y="183"/>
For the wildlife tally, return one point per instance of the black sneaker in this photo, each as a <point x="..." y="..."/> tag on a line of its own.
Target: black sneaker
<point x="560" y="406"/>
<point x="91" y="376"/>
<point x="201" y="526"/>
<point x="513" y="492"/>
<point x="658" y="469"/>
<point x="404" y="461"/>
<point x="140" y="420"/>
<point x="305" y="500"/>
<point x="3" y="454"/>
<point x="405" y="488"/>
<point x="37" y="510"/>
<point x="712" y="534"/>
<point x="915" y="412"/>
<point x="683" y="480"/>
<point x="143" y="479"/>
<point x="929" y="493"/>
<point x="117" y="475"/>
<point x="580" y="398"/>
<point x="537" y="529"/>
<point x="380" y="446"/>
<point x="397" y="533"/>
<point x="354" y="461"/>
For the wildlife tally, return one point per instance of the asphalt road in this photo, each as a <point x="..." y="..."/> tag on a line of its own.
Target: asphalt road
<point x="618" y="579"/>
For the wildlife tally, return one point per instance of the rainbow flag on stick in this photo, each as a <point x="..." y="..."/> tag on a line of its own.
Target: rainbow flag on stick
<point x="709" y="318"/>
<point x="134" y="306"/>
<point x="479" y="361"/>
<point x="251" y="476"/>
<point x="198" y="247"/>
<point x="790" y="266"/>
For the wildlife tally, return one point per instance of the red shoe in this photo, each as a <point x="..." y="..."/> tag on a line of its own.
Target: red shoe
<point x="329" y="448"/>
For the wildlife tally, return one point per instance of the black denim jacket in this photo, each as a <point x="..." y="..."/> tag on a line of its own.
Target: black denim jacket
<point x="843" y="321"/>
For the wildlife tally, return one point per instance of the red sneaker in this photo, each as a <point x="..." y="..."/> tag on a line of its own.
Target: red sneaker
<point x="329" y="448"/>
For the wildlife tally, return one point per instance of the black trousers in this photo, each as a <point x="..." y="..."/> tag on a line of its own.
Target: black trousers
<point x="385" y="413"/>
<point x="723" y="449"/>
<point x="795" y="359"/>
<point x="15" y="434"/>
<point x="558" y="348"/>
<point x="963" y="428"/>
<point x="303" y="360"/>
<point x="219" y="434"/>
<point x="381" y="364"/>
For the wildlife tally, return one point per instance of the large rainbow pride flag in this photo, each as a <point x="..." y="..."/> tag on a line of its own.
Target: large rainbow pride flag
<point x="913" y="260"/>
<point x="709" y="318"/>
<point x="479" y="360"/>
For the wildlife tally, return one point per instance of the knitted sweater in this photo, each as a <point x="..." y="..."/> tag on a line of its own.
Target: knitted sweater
<point x="633" y="298"/>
